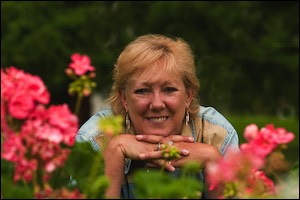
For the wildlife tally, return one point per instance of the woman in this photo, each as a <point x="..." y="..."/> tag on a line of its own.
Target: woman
<point x="155" y="88"/>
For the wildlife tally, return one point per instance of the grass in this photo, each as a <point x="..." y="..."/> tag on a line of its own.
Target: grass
<point x="290" y="124"/>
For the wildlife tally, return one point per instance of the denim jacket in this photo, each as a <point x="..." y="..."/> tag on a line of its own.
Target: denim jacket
<point x="209" y="126"/>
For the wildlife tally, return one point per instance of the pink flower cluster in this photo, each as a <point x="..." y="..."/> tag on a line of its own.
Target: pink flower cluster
<point x="81" y="64"/>
<point x="240" y="175"/>
<point x="22" y="91"/>
<point x="262" y="142"/>
<point x="35" y="137"/>
<point x="81" y="71"/>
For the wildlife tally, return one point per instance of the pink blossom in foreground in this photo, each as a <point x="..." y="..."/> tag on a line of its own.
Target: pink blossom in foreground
<point x="251" y="132"/>
<point x="56" y="124"/>
<point x="39" y="137"/>
<point x="20" y="105"/>
<point x="14" y="81"/>
<point x="262" y="142"/>
<point x="23" y="148"/>
<point x="81" y="64"/>
<point x="25" y="169"/>
<point x="263" y="185"/>
<point x="21" y="92"/>
<point x="36" y="137"/>
<point x="13" y="149"/>
<point x="10" y="78"/>
<point x="37" y="89"/>
<point x="6" y="130"/>
<point x="240" y="175"/>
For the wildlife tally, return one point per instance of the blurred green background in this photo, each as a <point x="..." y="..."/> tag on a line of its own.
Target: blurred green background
<point x="247" y="53"/>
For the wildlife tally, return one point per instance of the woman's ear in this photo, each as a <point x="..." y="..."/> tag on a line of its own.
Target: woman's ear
<point x="190" y="96"/>
<point x="122" y="96"/>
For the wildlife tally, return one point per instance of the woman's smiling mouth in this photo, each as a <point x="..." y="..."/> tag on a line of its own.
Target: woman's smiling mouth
<point x="157" y="119"/>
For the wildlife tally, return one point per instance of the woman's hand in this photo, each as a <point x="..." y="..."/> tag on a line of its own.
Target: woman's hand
<point x="155" y="158"/>
<point x="115" y="150"/>
<point x="133" y="148"/>
<point x="126" y="146"/>
<point x="197" y="152"/>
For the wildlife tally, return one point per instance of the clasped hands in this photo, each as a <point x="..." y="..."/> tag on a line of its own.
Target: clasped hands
<point x="145" y="147"/>
<point x="155" y="156"/>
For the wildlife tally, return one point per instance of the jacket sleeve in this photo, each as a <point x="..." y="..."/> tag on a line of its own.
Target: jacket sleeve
<point x="90" y="129"/>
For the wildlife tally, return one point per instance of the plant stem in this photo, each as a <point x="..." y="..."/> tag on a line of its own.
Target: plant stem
<point x="36" y="187"/>
<point x="78" y="104"/>
<point x="163" y="167"/>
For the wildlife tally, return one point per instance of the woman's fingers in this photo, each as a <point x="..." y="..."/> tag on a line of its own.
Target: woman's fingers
<point x="180" y="138"/>
<point x="150" y="155"/>
<point x="150" y="138"/>
<point x="158" y="154"/>
<point x="166" y="140"/>
<point x="161" y="163"/>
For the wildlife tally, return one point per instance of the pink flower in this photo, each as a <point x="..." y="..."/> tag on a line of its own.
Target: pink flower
<point x="81" y="64"/>
<point x="6" y="130"/>
<point x="35" y="136"/>
<point x="21" y="91"/>
<point x="262" y="142"/>
<point x="61" y="117"/>
<point x="259" y="148"/>
<point x="50" y="133"/>
<point x="225" y="170"/>
<point x="259" y="180"/>
<point x="56" y="124"/>
<point x="24" y="170"/>
<point x="36" y="88"/>
<point x="251" y="132"/>
<point x="21" y="105"/>
<point x="279" y="135"/>
<point x="242" y="170"/>
<point x="50" y="167"/>
<point x="13" y="148"/>
<point x="11" y="78"/>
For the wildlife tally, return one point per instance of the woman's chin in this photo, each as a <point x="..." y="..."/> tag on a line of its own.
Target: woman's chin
<point x="158" y="133"/>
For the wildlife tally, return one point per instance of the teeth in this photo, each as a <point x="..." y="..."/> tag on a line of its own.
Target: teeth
<point x="158" y="119"/>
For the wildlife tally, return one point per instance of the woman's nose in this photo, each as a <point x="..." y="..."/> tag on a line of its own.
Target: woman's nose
<point x="157" y="102"/>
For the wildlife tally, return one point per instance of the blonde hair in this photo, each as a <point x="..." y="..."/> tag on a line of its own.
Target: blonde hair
<point x="174" y="54"/>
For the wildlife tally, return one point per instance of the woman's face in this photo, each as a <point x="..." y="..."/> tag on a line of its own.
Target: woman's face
<point x="156" y="102"/>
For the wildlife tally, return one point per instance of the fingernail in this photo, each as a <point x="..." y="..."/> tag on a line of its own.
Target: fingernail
<point x="172" y="169"/>
<point x="185" y="152"/>
<point x="191" y="139"/>
<point x="138" y="137"/>
<point x="142" y="156"/>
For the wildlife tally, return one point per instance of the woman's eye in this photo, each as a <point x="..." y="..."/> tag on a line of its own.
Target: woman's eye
<point x="170" y="89"/>
<point x="141" y="91"/>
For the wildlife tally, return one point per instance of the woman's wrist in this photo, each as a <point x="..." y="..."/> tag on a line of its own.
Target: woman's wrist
<point x="114" y="168"/>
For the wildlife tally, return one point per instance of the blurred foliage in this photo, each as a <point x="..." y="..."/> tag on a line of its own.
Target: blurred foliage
<point x="83" y="170"/>
<point x="89" y="178"/>
<point x="168" y="188"/>
<point x="247" y="53"/>
<point x="9" y="188"/>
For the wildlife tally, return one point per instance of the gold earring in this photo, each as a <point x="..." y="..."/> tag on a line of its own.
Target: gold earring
<point x="127" y="121"/>
<point x="187" y="118"/>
